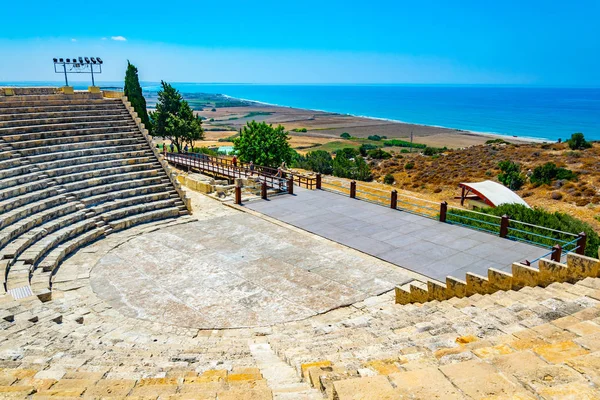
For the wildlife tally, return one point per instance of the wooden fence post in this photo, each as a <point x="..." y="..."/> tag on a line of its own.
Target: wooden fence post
<point x="318" y="181"/>
<point x="443" y="211"/>
<point x="581" y="243"/>
<point x="353" y="189"/>
<point x="504" y="226"/>
<point x="238" y="195"/>
<point x="263" y="190"/>
<point x="394" y="199"/>
<point x="556" y="253"/>
<point x="290" y="185"/>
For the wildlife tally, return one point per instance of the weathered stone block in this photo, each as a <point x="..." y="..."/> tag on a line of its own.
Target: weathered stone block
<point x="402" y="296"/>
<point x="552" y="271"/>
<point x="437" y="291"/>
<point x="499" y="280"/>
<point x="306" y="366"/>
<point x="418" y="293"/>
<point x="581" y="267"/>
<point x="456" y="287"/>
<point x="369" y="388"/>
<point x="524" y="276"/>
<point x="477" y="284"/>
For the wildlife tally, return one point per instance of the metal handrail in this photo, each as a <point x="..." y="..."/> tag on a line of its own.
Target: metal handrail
<point x="223" y="168"/>
<point x="542" y="227"/>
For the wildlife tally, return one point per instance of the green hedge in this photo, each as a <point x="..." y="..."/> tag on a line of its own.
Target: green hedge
<point x="535" y="216"/>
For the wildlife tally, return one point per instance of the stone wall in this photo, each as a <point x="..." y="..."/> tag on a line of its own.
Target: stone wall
<point x="578" y="267"/>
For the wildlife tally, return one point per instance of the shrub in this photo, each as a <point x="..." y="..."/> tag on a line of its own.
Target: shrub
<point x="365" y="148"/>
<point x="299" y="130"/>
<point x="549" y="172"/>
<point x="430" y="151"/>
<point x="348" y="164"/>
<point x="345" y="135"/>
<point x="511" y="175"/>
<point x="404" y="151"/>
<point x="388" y="179"/>
<point x="379" y="154"/>
<point x="318" y="161"/>
<point x="213" y="110"/>
<point x="205" y="150"/>
<point x="538" y="216"/>
<point x="374" y="137"/>
<point x="409" y="165"/>
<point x="578" y="142"/>
<point x="496" y="141"/>
<point x="402" y="143"/>
<point x="211" y="120"/>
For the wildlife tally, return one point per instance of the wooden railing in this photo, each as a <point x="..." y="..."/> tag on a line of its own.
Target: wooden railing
<point x="226" y="168"/>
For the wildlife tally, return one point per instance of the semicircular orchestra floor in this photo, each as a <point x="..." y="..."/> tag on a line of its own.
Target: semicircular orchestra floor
<point x="236" y="271"/>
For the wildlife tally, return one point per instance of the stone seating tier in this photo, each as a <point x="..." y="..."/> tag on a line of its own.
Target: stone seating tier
<point x="61" y="159"/>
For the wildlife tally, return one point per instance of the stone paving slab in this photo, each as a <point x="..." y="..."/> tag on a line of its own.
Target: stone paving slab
<point x="423" y="245"/>
<point x="234" y="271"/>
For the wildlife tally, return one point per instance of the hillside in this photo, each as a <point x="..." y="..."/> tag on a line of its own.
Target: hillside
<point x="437" y="177"/>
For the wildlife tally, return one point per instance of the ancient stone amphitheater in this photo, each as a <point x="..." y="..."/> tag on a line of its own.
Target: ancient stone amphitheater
<point x="82" y="188"/>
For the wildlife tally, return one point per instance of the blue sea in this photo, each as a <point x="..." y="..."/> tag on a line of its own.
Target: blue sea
<point x="532" y="112"/>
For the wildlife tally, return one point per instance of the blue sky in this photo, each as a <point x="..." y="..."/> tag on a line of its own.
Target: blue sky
<point x="504" y="42"/>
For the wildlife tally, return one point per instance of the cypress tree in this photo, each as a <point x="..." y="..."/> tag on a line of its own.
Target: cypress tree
<point x="133" y="91"/>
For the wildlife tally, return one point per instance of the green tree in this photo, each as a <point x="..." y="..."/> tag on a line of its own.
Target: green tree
<point x="511" y="175"/>
<point x="174" y="119"/>
<point x="547" y="173"/>
<point x="263" y="144"/>
<point x="320" y="161"/>
<point x="133" y="91"/>
<point x="578" y="142"/>
<point x="345" y="135"/>
<point x="348" y="164"/>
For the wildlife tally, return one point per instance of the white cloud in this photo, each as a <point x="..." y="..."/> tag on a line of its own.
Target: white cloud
<point x="119" y="38"/>
<point x="73" y="40"/>
<point x="103" y="38"/>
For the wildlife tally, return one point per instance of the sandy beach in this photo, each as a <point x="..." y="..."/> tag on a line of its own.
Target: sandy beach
<point x="323" y="127"/>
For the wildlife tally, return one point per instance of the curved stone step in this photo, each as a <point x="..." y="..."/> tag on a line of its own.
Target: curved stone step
<point x="125" y="193"/>
<point x="19" y="102"/>
<point x="19" y="146"/>
<point x="51" y="95"/>
<point x="122" y="203"/>
<point x="38" y="250"/>
<point x="43" y="119"/>
<point x="28" y="152"/>
<point x="80" y="130"/>
<point x="11" y="232"/>
<point x="155" y="215"/>
<point x="58" y="108"/>
<point x="84" y="152"/>
<point x="10" y="217"/>
<point x="103" y="180"/>
<point x="135" y="209"/>
<point x="18" y="201"/>
<point x="116" y="156"/>
<point x="64" y="113"/>
<point x="97" y="189"/>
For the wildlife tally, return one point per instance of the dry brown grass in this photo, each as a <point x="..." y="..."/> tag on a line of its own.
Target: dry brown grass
<point x="438" y="178"/>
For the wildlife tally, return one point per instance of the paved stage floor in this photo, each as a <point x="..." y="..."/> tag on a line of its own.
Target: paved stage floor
<point x="423" y="245"/>
<point x="236" y="270"/>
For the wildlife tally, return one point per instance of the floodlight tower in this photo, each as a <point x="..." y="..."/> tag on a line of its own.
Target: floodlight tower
<point x="78" y="65"/>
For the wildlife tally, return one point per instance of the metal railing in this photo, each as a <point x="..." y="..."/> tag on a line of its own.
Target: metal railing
<point x="560" y="242"/>
<point x="242" y="170"/>
<point x="224" y="168"/>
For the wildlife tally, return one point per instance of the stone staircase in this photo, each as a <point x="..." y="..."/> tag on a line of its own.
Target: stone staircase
<point x="534" y="343"/>
<point x="73" y="169"/>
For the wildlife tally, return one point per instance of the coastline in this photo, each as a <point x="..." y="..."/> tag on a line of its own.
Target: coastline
<point x="323" y="126"/>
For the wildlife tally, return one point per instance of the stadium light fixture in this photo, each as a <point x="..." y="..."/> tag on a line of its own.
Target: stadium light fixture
<point x="78" y="65"/>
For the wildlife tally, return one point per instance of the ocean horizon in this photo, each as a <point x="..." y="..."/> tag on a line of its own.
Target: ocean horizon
<point x="536" y="112"/>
